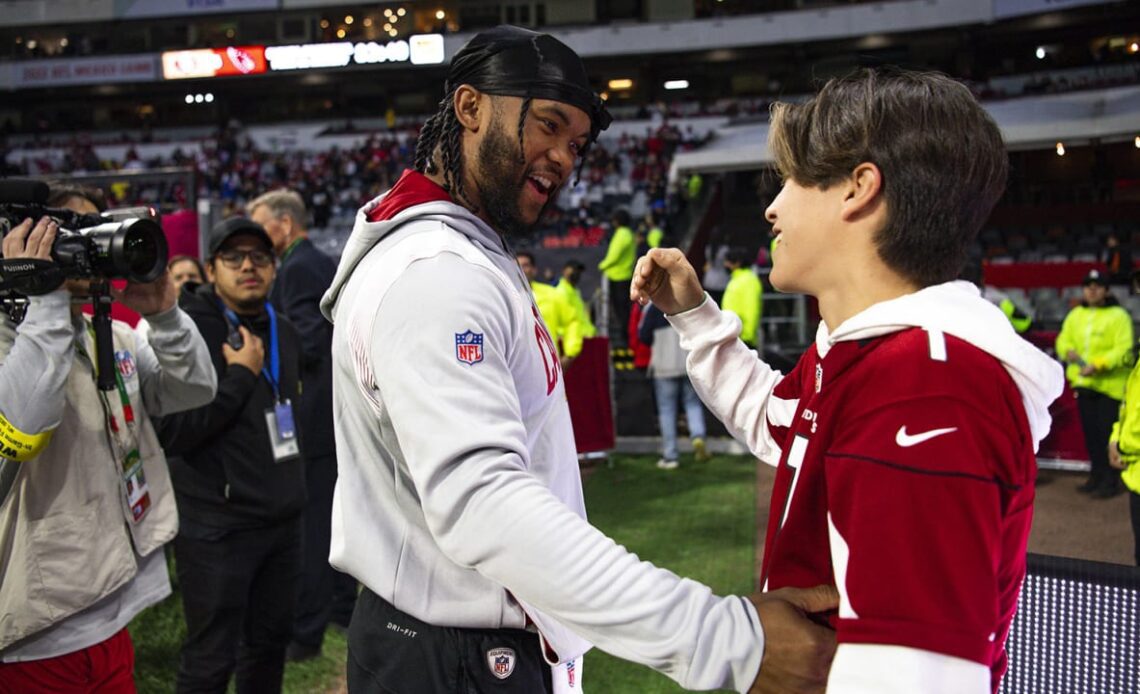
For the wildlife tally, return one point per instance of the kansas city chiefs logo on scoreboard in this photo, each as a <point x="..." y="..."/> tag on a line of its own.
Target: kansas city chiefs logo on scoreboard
<point x="501" y="661"/>
<point x="469" y="347"/>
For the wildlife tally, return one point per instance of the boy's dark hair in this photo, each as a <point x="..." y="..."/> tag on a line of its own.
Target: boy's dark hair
<point x="941" y="156"/>
<point x="525" y="254"/>
<point x="61" y="192"/>
<point x="621" y="217"/>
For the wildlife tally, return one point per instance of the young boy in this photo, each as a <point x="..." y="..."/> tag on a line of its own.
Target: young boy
<point x="905" y="436"/>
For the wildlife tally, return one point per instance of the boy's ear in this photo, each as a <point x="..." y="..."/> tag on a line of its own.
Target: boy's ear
<point x="863" y="192"/>
<point x="467" y="102"/>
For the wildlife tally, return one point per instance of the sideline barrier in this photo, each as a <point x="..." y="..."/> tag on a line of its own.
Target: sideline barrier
<point x="1077" y="629"/>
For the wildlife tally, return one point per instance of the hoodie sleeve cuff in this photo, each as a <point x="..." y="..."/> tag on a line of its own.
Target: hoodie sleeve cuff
<point x="694" y="322"/>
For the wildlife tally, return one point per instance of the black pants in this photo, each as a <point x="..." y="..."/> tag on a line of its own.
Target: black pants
<point x="390" y="652"/>
<point x="1134" y="508"/>
<point x="324" y="594"/>
<point x="621" y="305"/>
<point x="1098" y="413"/>
<point x="238" y="589"/>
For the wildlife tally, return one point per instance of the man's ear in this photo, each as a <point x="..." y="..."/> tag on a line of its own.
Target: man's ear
<point x="863" y="194"/>
<point x="469" y="103"/>
<point x="209" y="271"/>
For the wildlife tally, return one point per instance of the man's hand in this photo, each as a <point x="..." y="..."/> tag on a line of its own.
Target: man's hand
<point x="26" y="241"/>
<point x="1114" y="458"/>
<point x="252" y="352"/>
<point x="150" y="298"/>
<point x="664" y="276"/>
<point x="797" y="651"/>
<point x="1072" y="357"/>
<point x="1088" y="370"/>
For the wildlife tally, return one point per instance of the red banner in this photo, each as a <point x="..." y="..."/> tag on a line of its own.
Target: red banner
<point x="588" y="395"/>
<point x="214" y="62"/>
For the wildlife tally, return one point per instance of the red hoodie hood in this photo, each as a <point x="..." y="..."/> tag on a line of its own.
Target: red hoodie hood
<point x="412" y="189"/>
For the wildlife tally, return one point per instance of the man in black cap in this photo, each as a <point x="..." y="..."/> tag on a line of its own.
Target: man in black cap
<point x="240" y="479"/>
<point x="458" y="502"/>
<point x="1096" y="342"/>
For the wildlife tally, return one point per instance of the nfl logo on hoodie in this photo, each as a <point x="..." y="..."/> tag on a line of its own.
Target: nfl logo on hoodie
<point x="469" y="347"/>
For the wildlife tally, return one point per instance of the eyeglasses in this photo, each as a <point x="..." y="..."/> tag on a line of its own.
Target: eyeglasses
<point x="235" y="259"/>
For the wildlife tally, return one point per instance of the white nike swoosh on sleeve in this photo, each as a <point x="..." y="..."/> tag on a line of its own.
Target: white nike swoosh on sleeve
<point x="907" y="440"/>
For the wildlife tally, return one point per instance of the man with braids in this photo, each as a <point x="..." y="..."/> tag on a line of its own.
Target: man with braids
<point x="459" y="504"/>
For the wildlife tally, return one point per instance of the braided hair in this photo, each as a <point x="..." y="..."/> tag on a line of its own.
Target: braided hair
<point x="442" y="131"/>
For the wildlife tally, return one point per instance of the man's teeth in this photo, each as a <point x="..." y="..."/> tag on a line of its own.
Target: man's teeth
<point x="545" y="184"/>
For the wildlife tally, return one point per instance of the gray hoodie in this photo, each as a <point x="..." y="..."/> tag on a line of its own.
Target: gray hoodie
<point x="459" y="499"/>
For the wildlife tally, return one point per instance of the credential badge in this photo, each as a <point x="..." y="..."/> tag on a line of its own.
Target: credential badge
<point x="501" y="661"/>
<point x="818" y="377"/>
<point x="469" y="347"/>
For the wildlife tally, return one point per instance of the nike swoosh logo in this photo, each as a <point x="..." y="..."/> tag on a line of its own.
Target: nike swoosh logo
<point x="907" y="440"/>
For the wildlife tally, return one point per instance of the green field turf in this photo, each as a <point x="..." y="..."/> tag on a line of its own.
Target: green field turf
<point x="698" y="521"/>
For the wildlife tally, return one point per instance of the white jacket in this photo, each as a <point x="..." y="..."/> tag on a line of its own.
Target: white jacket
<point x="459" y="498"/>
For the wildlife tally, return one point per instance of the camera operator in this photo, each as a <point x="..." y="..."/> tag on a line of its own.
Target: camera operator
<point x="90" y="503"/>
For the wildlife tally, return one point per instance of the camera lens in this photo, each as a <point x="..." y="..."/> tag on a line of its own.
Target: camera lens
<point x="140" y="252"/>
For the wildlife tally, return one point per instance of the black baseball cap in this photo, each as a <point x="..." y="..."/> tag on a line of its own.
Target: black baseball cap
<point x="1095" y="277"/>
<point x="233" y="226"/>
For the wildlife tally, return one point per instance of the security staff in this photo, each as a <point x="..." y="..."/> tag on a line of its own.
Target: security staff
<point x="743" y="295"/>
<point x="1096" y="343"/>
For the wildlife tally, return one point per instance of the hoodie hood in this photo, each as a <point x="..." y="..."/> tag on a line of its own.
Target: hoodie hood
<point x="414" y="198"/>
<point x="958" y="309"/>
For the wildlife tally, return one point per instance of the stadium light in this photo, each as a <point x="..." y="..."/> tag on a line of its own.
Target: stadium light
<point x="1134" y="47"/>
<point x="349" y="19"/>
<point x="209" y="98"/>
<point x="1060" y="149"/>
<point x="620" y="84"/>
<point x="198" y="98"/>
<point x="324" y="24"/>
<point x="440" y="14"/>
<point x="367" y="21"/>
<point x="1137" y="142"/>
<point x="676" y="84"/>
<point x="341" y="33"/>
<point x="1040" y="53"/>
<point x="189" y="98"/>
<point x="401" y="12"/>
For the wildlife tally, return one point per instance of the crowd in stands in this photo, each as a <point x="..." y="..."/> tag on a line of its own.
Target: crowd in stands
<point x="626" y="171"/>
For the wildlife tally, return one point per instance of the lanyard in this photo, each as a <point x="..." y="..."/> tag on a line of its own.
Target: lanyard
<point x="127" y="443"/>
<point x="273" y="372"/>
<point x="292" y="247"/>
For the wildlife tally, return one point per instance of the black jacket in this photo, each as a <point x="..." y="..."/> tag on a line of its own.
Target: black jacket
<point x="302" y="279"/>
<point x="225" y="475"/>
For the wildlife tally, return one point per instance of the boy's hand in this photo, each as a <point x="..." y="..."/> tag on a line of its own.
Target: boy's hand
<point x="664" y="276"/>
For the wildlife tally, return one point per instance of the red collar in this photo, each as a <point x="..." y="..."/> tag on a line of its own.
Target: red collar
<point x="412" y="189"/>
